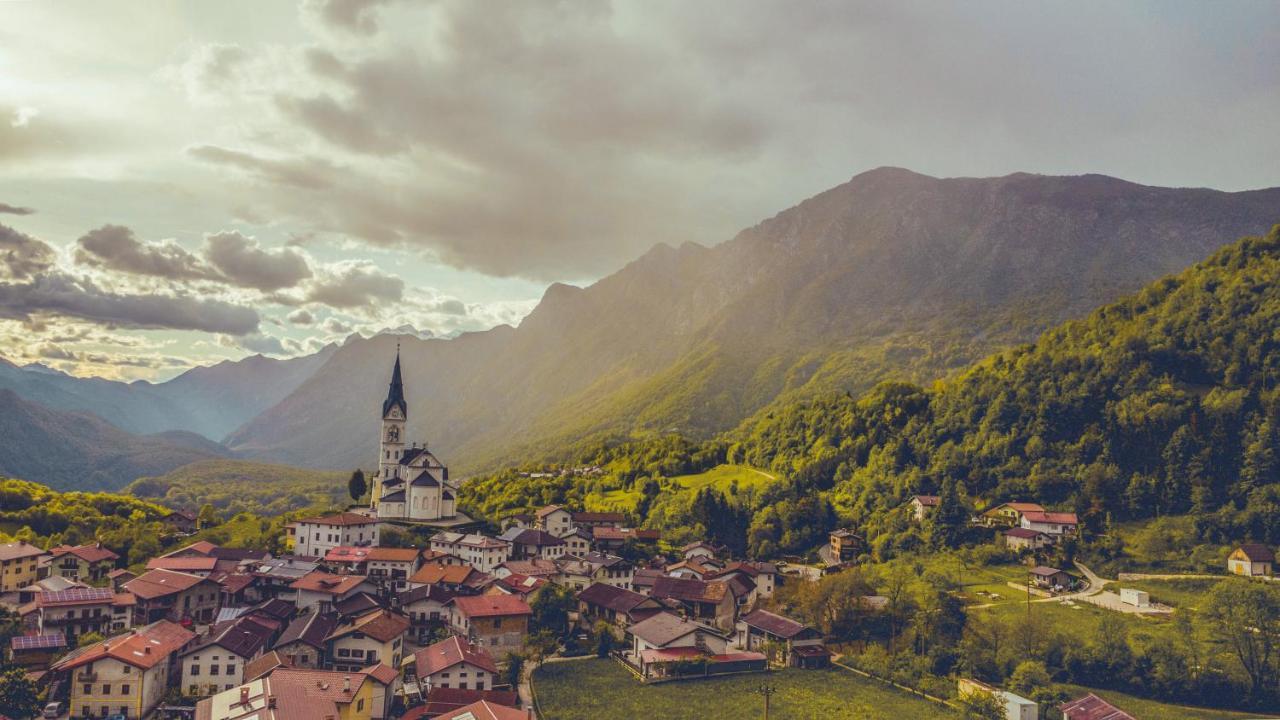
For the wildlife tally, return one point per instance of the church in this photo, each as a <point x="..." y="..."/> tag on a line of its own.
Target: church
<point x="411" y="484"/>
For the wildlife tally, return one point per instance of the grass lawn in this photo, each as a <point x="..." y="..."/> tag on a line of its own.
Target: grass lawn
<point x="1188" y="593"/>
<point x="1152" y="710"/>
<point x="593" y="689"/>
<point x="721" y="477"/>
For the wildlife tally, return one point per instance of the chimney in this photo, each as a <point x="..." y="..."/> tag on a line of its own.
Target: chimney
<point x="244" y="695"/>
<point x="346" y="683"/>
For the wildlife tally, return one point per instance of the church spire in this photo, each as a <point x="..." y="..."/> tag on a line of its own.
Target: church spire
<point x="395" y="395"/>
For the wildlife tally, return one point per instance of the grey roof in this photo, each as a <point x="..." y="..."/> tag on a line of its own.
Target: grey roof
<point x="395" y="394"/>
<point x="311" y="629"/>
<point x="425" y="479"/>
<point x="665" y="628"/>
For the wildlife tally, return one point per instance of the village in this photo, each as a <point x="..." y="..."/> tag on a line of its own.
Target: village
<point x="345" y="625"/>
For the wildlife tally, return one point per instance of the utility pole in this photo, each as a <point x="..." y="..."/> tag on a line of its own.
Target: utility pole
<point x="767" y="691"/>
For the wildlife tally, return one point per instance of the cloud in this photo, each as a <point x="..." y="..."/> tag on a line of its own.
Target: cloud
<point x="244" y="263"/>
<point x="213" y="68"/>
<point x="302" y="317"/>
<point x="22" y="256"/>
<point x="15" y="209"/>
<point x="334" y="325"/>
<point x="116" y="248"/>
<point x="301" y="173"/>
<point x="49" y="351"/>
<point x="60" y="294"/>
<point x="355" y="283"/>
<point x="358" y="17"/>
<point x="264" y="344"/>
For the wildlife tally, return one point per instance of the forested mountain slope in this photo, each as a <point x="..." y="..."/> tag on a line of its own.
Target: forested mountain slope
<point x="892" y="275"/>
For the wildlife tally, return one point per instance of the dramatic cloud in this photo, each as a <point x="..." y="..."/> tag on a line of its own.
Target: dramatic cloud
<point x="353" y="16"/>
<point x="14" y="209"/>
<point x="63" y="295"/>
<point x="116" y="248"/>
<point x="264" y="344"/>
<point x="244" y="263"/>
<point x="22" y="256"/>
<point x="354" y="283"/>
<point x="302" y="317"/>
<point x="334" y="325"/>
<point x="301" y="173"/>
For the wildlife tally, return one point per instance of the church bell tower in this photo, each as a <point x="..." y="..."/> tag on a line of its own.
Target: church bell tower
<point x="395" y="411"/>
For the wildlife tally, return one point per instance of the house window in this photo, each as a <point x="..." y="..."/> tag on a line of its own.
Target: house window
<point x="213" y="669"/>
<point x="88" y="690"/>
<point x="195" y="669"/>
<point x="231" y="669"/>
<point x="124" y="689"/>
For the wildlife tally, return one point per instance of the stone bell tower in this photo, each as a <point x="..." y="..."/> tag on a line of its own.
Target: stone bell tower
<point x="395" y="411"/>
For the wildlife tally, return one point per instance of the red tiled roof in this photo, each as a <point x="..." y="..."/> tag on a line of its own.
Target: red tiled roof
<point x="1062" y="518"/>
<point x="543" y="512"/>
<point x="492" y="606"/>
<point x="927" y="500"/>
<point x="689" y="590"/>
<point x="199" y="547"/>
<point x="1092" y="707"/>
<point x="381" y="625"/>
<point x="159" y="583"/>
<point x="1024" y="533"/>
<point x="317" y="581"/>
<point x="142" y="647"/>
<point x="341" y="519"/>
<point x="449" y="652"/>
<point x="88" y="553"/>
<point x="183" y="564"/>
<point x="382" y="672"/>
<point x="485" y="710"/>
<point x="783" y="627"/>
<point x="436" y="573"/>
<point x="441" y="700"/>
<point x="18" y="550"/>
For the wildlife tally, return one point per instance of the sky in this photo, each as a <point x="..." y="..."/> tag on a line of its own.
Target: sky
<point x="187" y="182"/>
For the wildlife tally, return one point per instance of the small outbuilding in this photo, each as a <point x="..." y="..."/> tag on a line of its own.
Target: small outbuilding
<point x="1134" y="597"/>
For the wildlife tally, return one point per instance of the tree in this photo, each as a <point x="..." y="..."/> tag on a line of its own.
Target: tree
<point x="18" y="695"/>
<point x="1247" y="617"/>
<point x="515" y="668"/>
<point x="1029" y="676"/>
<point x="356" y="486"/>
<point x="551" y="607"/>
<point x="950" y="519"/>
<point x="981" y="706"/>
<point x="89" y="638"/>
<point x="539" y="646"/>
<point x="604" y="639"/>
<point x="207" y="518"/>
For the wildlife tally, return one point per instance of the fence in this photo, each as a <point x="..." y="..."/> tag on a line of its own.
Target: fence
<point x="893" y="683"/>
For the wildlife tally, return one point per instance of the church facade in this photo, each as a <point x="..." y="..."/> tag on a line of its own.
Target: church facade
<point x="411" y="483"/>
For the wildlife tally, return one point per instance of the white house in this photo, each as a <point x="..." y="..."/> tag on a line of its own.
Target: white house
<point x="479" y="551"/>
<point x="315" y="537"/>
<point x="454" y="663"/>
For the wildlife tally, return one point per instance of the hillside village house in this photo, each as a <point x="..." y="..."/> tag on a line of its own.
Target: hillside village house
<point x="1053" y="524"/>
<point x="19" y="565"/>
<point x="500" y="622"/>
<point x="190" y="564"/>
<point x="459" y="578"/>
<point x="320" y="591"/>
<point x="126" y="674"/>
<point x="665" y="638"/>
<point x="1007" y="514"/>
<point x="922" y="506"/>
<point x="89" y="563"/>
<point x="845" y="545"/>
<point x="578" y="542"/>
<point x="376" y="637"/>
<point x="303" y="642"/>
<point x="217" y="661"/>
<point x="314" y="537"/>
<point x="487" y="710"/>
<point x="453" y="663"/>
<point x="710" y="602"/>
<point x="578" y="573"/>
<point x="1020" y="538"/>
<point x="1251" y="560"/>
<point x="77" y="611"/>
<point x="1092" y="707"/>
<point x="1015" y="707"/>
<point x="598" y="519"/>
<point x="1048" y="577"/>
<point x="763" y="575"/>
<point x="699" y="549"/>
<point x="522" y="586"/>
<point x="176" y="596"/>
<point x="531" y="543"/>
<point x="388" y="568"/>
<point x="426" y="606"/>
<point x="616" y="606"/>
<point x="480" y="552"/>
<point x="294" y="694"/>
<point x="555" y="520"/>
<point x="788" y="642"/>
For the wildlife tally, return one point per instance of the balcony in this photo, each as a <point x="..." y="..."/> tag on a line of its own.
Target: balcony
<point x="86" y="676"/>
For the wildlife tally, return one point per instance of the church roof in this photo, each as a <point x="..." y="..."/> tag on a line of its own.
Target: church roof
<point x="395" y="394"/>
<point x="394" y="497"/>
<point x="425" y="479"/>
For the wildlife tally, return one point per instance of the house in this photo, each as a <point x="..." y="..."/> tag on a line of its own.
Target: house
<point x="302" y="644"/>
<point x="35" y="653"/>
<point x="1015" y="707"/>
<point x="176" y="596"/>
<point x="89" y="563"/>
<point x="318" y="535"/>
<point x="692" y="569"/>
<point x="426" y="608"/>
<point x="454" y="663"/>
<point x="845" y="545"/>
<point x="277" y="575"/>
<point x="485" y="710"/>
<point x="77" y="611"/>
<point x="1092" y="707"/>
<point x="292" y="693"/>
<point x="1051" y="578"/>
<point x="520" y="520"/>
<point x="387" y="567"/>
<point x="787" y="642"/>
<point x="922" y="506"/>
<point x="533" y="543"/>
<point x="499" y="622"/>
<point x="462" y="579"/>
<point x="643" y="579"/>
<point x="615" y="606"/>
<point x="118" y="578"/>
<point x="764" y="575"/>
<point x="1020" y="538"/>
<point x="217" y="661"/>
<point x="608" y="538"/>
<point x="555" y="520"/>
<point x="376" y="637"/>
<point x="699" y="549"/>
<point x="480" y="552"/>
<point x="521" y="585"/>
<point x="123" y="675"/>
<point x="320" y="591"/>
<point x="665" y="631"/>
<point x="578" y="542"/>
<point x="1007" y="514"/>
<point x="192" y="565"/>
<point x="1053" y="524"/>
<point x="536" y="567"/>
<point x="1251" y="560"/>
<point x="440" y="701"/>
<point x="19" y="565"/>
<point x="590" y="520"/>
<point x="264" y="665"/>
<point x="595" y="567"/>
<point x="709" y="602"/>
<point x="385" y="687"/>
<point x="182" y="521"/>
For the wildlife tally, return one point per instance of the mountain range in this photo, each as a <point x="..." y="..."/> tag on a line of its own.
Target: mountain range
<point x="892" y="274"/>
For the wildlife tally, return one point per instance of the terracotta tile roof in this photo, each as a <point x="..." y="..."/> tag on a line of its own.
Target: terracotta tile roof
<point x="783" y="627"/>
<point x="88" y="553"/>
<point x="926" y="500"/>
<point x="1062" y="518"/>
<point x="183" y="564"/>
<point x="382" y="673"/>
<point x="357" y="604"/>
<point x="436" y="573"/>
<point x="689" y="590"/>
<point x="19" y="550"/>
<point x="535" y="567"/>
<point x="1021" y="507"/>
<point x="1092" y="707"/>
<point x="545" y="511"/>
<point x="233" y="582"/>
<point x="492" y="606"/>
<point x="159" y="583"/>
<point x="485" y="710"/>
<point x="242" y="636"/>
<point x="381" y="625"/>
<point x="1258" y="553"/>
<point x="199" y="547"/>
<point x="441" y="700"/>
<point x="75" y="596"/>
<point x="389" y="554"/>
<point x="614" y="598"/>
<point x="142" y="647"/>
<point x="449" y="652"/>
<point x="311" y="629"/>
<point x="599" y="517"/>
<point x="522" y="584"/>
<point x="340" y="519"/>
<point x="1024" y="533"/>
<point x="318" y="581"/>
<point x="1044" y="571"/>
<point x="265" y="665"/>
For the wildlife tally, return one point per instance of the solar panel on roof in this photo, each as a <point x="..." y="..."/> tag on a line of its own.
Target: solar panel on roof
<point x="39" y="642"/>
<point x="79" y="594"/>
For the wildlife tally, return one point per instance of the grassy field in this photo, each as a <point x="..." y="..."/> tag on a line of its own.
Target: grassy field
<point x="234" y="486"/>
<point x="593" y="689"/>
<point x="1188" y="593"/>
<point x="721" y="477"/>
<point x="1152" y="710"/>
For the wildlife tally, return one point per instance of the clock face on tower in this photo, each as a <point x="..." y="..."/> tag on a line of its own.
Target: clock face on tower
<point x="393" y="434"/>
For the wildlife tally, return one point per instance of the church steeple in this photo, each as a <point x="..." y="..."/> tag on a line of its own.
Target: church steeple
<point x="395" y="394"/>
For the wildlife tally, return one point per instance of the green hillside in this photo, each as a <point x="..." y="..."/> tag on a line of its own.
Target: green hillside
<point x="1162" y="403"/>
<point x="235" y="486"/>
